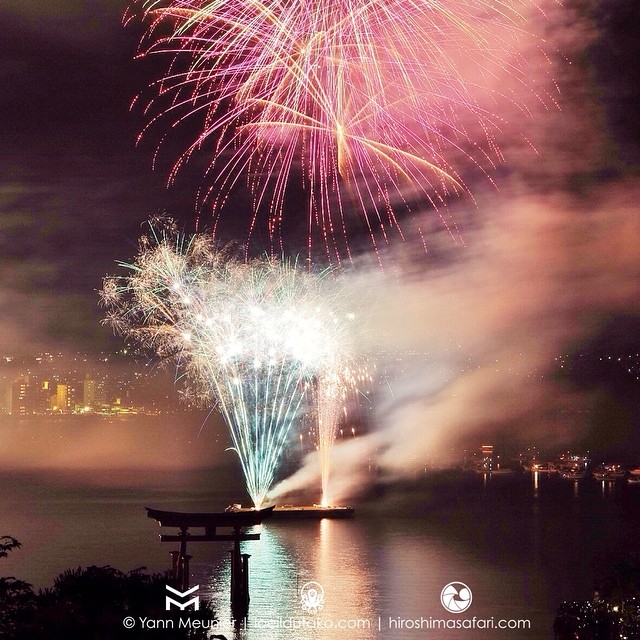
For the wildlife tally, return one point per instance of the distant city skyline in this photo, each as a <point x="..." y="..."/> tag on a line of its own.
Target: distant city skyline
<point x="115" y="383"/>
<point x="111" y="383"/>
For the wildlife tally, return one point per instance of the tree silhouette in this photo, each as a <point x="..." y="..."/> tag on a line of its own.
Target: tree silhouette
<point x="91" y="603"/>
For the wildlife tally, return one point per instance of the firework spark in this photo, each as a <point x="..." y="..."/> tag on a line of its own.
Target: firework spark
<point x="335" y="387"/>
<point x="250" y="336"/>
<point x="367" y="101"/>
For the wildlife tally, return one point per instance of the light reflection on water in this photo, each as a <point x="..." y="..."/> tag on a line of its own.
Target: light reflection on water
<point x="288" y="556"/>
<point x="374" y="582"/>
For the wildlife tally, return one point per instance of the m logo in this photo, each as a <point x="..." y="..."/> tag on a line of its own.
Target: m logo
<point x="195" y="601"/>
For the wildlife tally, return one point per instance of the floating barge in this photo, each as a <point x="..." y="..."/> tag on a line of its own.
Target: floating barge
<point x="310" y="512"/>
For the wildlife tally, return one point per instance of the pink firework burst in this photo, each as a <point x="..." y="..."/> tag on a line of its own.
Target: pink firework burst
<point x="371" y="105"/>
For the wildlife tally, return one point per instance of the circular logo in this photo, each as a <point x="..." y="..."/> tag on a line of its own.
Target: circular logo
<point x="312" y="597"/>
<point x="456" y="597"/>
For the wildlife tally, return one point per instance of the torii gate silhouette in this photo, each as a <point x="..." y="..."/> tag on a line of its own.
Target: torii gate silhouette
<point x="210" y="522"/>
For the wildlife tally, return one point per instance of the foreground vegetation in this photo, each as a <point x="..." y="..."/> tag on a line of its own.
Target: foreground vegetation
<point x="90" y="603"/>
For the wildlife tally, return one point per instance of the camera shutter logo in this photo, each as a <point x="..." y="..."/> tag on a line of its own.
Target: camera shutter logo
<point x="456" y="597"/>
<point x="195" y="601"/>
<point x="312" y="597"/>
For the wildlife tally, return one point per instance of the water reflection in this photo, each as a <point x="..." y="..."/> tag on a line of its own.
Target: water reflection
<point x="378" y="575"/>
<point x="288" y="556"/>
<point x="348" y="576"/>
<point x="272" y="585"/>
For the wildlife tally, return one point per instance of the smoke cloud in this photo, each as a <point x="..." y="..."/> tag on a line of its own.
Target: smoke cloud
<point x="467" y="347"/>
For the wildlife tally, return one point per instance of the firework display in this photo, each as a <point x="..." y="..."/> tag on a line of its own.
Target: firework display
<point x="249" y="336"/>
<point x="353" y="109"/>
<point x="371" y="104"/>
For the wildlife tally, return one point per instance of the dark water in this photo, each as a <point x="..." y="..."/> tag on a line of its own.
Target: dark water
<point x="521" y="549"/>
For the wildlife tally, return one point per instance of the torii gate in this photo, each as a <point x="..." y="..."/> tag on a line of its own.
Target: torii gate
<point x="235" y="520"/>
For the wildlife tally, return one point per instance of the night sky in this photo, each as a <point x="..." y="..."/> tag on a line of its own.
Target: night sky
<point x="74" y="189"/>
